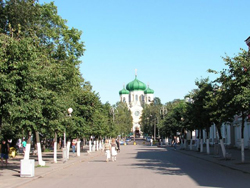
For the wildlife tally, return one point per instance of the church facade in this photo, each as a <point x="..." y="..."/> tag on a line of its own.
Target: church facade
<point x="135" y="95"/>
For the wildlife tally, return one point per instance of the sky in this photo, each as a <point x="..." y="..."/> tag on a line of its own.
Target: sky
<point x="171" y="43"/>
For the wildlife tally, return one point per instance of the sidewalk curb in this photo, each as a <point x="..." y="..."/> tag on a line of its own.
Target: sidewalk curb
<point x="188" y="152"/>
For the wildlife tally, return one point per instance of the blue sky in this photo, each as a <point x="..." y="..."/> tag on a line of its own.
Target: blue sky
<point x="170" y="42"/>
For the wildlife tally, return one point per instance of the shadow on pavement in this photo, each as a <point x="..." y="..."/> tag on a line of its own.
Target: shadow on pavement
<point x="167" y="161"/>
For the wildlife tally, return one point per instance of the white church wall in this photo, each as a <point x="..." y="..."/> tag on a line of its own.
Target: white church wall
<point x="135" y="96"/>
<point x="124" y="96"/>
<point x="149" y="98"/>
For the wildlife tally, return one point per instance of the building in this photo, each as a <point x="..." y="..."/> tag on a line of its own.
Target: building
<point x="135" y="95"/>
<point x="248" y="42"/>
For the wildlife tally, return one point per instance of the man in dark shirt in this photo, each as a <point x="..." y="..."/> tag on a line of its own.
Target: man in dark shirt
<point x="118" y="145"/>
<point x="5" y="151"/>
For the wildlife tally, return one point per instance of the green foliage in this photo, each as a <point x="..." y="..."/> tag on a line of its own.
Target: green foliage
<point x="38" y="67"/>
<point x="123" y="120"/>
<point x="151" y="117"/>
<point x="200" y="115"/>
<point x="40" y="77"/>
<point x="233" y="95"/>
<point x="172" y="122"/>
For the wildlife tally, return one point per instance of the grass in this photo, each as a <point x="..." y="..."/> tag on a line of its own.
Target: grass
<point x="41" y="166"/>
<point x="47" y="150"/>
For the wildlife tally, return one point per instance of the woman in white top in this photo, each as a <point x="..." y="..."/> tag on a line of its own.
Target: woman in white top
<point x="113" y="149"/>
<point x="107" y="149"/>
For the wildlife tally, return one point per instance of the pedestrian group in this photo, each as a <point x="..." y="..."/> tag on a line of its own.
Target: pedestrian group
<point x="111" y="149"/>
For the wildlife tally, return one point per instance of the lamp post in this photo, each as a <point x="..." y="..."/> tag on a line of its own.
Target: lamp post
<point x="70" y="110"/>
<point x="163" y="112"/>
<point x="190" y="100"/>
<point x="113" y="110"/>
<point x="183" y="145"/>
<point x="155" y="129"/>
<point x="154" y="122"/>
<point x="66" y="148"/>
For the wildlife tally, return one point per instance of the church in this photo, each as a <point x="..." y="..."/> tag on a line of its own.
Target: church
<point x="135" y="95"/>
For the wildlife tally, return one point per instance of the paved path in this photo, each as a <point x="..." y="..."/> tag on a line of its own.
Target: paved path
<point x="137" y="166"/>
<point x="10" y="175"/>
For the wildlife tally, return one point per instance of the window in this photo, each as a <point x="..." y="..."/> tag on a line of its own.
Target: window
<point x="142" y="98"/>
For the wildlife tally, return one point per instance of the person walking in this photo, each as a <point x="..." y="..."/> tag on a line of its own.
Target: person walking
<point x="174" y="143"/>
<point x="113" y="150"/>
<point x="107" y="149"/>
<point x="118" y="145"/>
<point x="5" y="148"/>
<point x="151" y="142"/>
<point x="74" y="146"/>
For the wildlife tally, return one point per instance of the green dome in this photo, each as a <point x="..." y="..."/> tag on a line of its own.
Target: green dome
<point x="123" y="91"/>
<point x="149" y="91"/>
<point x="136" y="85"/>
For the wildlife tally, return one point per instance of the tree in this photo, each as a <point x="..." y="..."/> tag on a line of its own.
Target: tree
<point x="235" y="90"/>
<point x="151" y="117"/>
<point x="123" y="119"/>
<point x="39" y="58"/>
<point x="199" y="114"/>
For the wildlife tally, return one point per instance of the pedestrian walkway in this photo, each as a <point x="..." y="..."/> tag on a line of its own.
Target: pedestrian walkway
<point x="10" y="174"/>
<point x="215" y="156"/>
<point x="234" y="162"/>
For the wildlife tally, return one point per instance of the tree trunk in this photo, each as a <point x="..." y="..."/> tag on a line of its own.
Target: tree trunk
<point x="68" y="148"/>
<point x="207" y="142"/>
<point x="97" y="144"/>
<point x="191" y="144"/>
<point x="84" y="141"/>
<point x="201" y="141"/>
<point x="242" y="151"/>
<point x="242" y="139"/>
<point x="78" y="150"/>
<point x="0" y="120"/>
<point x="94" y="146"/>
<point x="39" y="151"/>
<point x="185" y="144"/>
<point x="44" y="144"/>
<point x="27" y="148"/>
<point x="100" y="144"/>
<point x="201" y="145"/>
<point x="208" y="149"/>
<point x="89" y="145"/>
<point x="221" y="143"/>
<point x="55" y="148"/>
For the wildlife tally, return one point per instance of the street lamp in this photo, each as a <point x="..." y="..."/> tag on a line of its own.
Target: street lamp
<point x="154" y="122"/>
<point x="70" y="110"/>
<point x="65" y="151"/>
<point x="163" y="112"/>
<point x="183" y="135"/>
<point x="155" y="128"/>
<point x="112" y="111"/>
